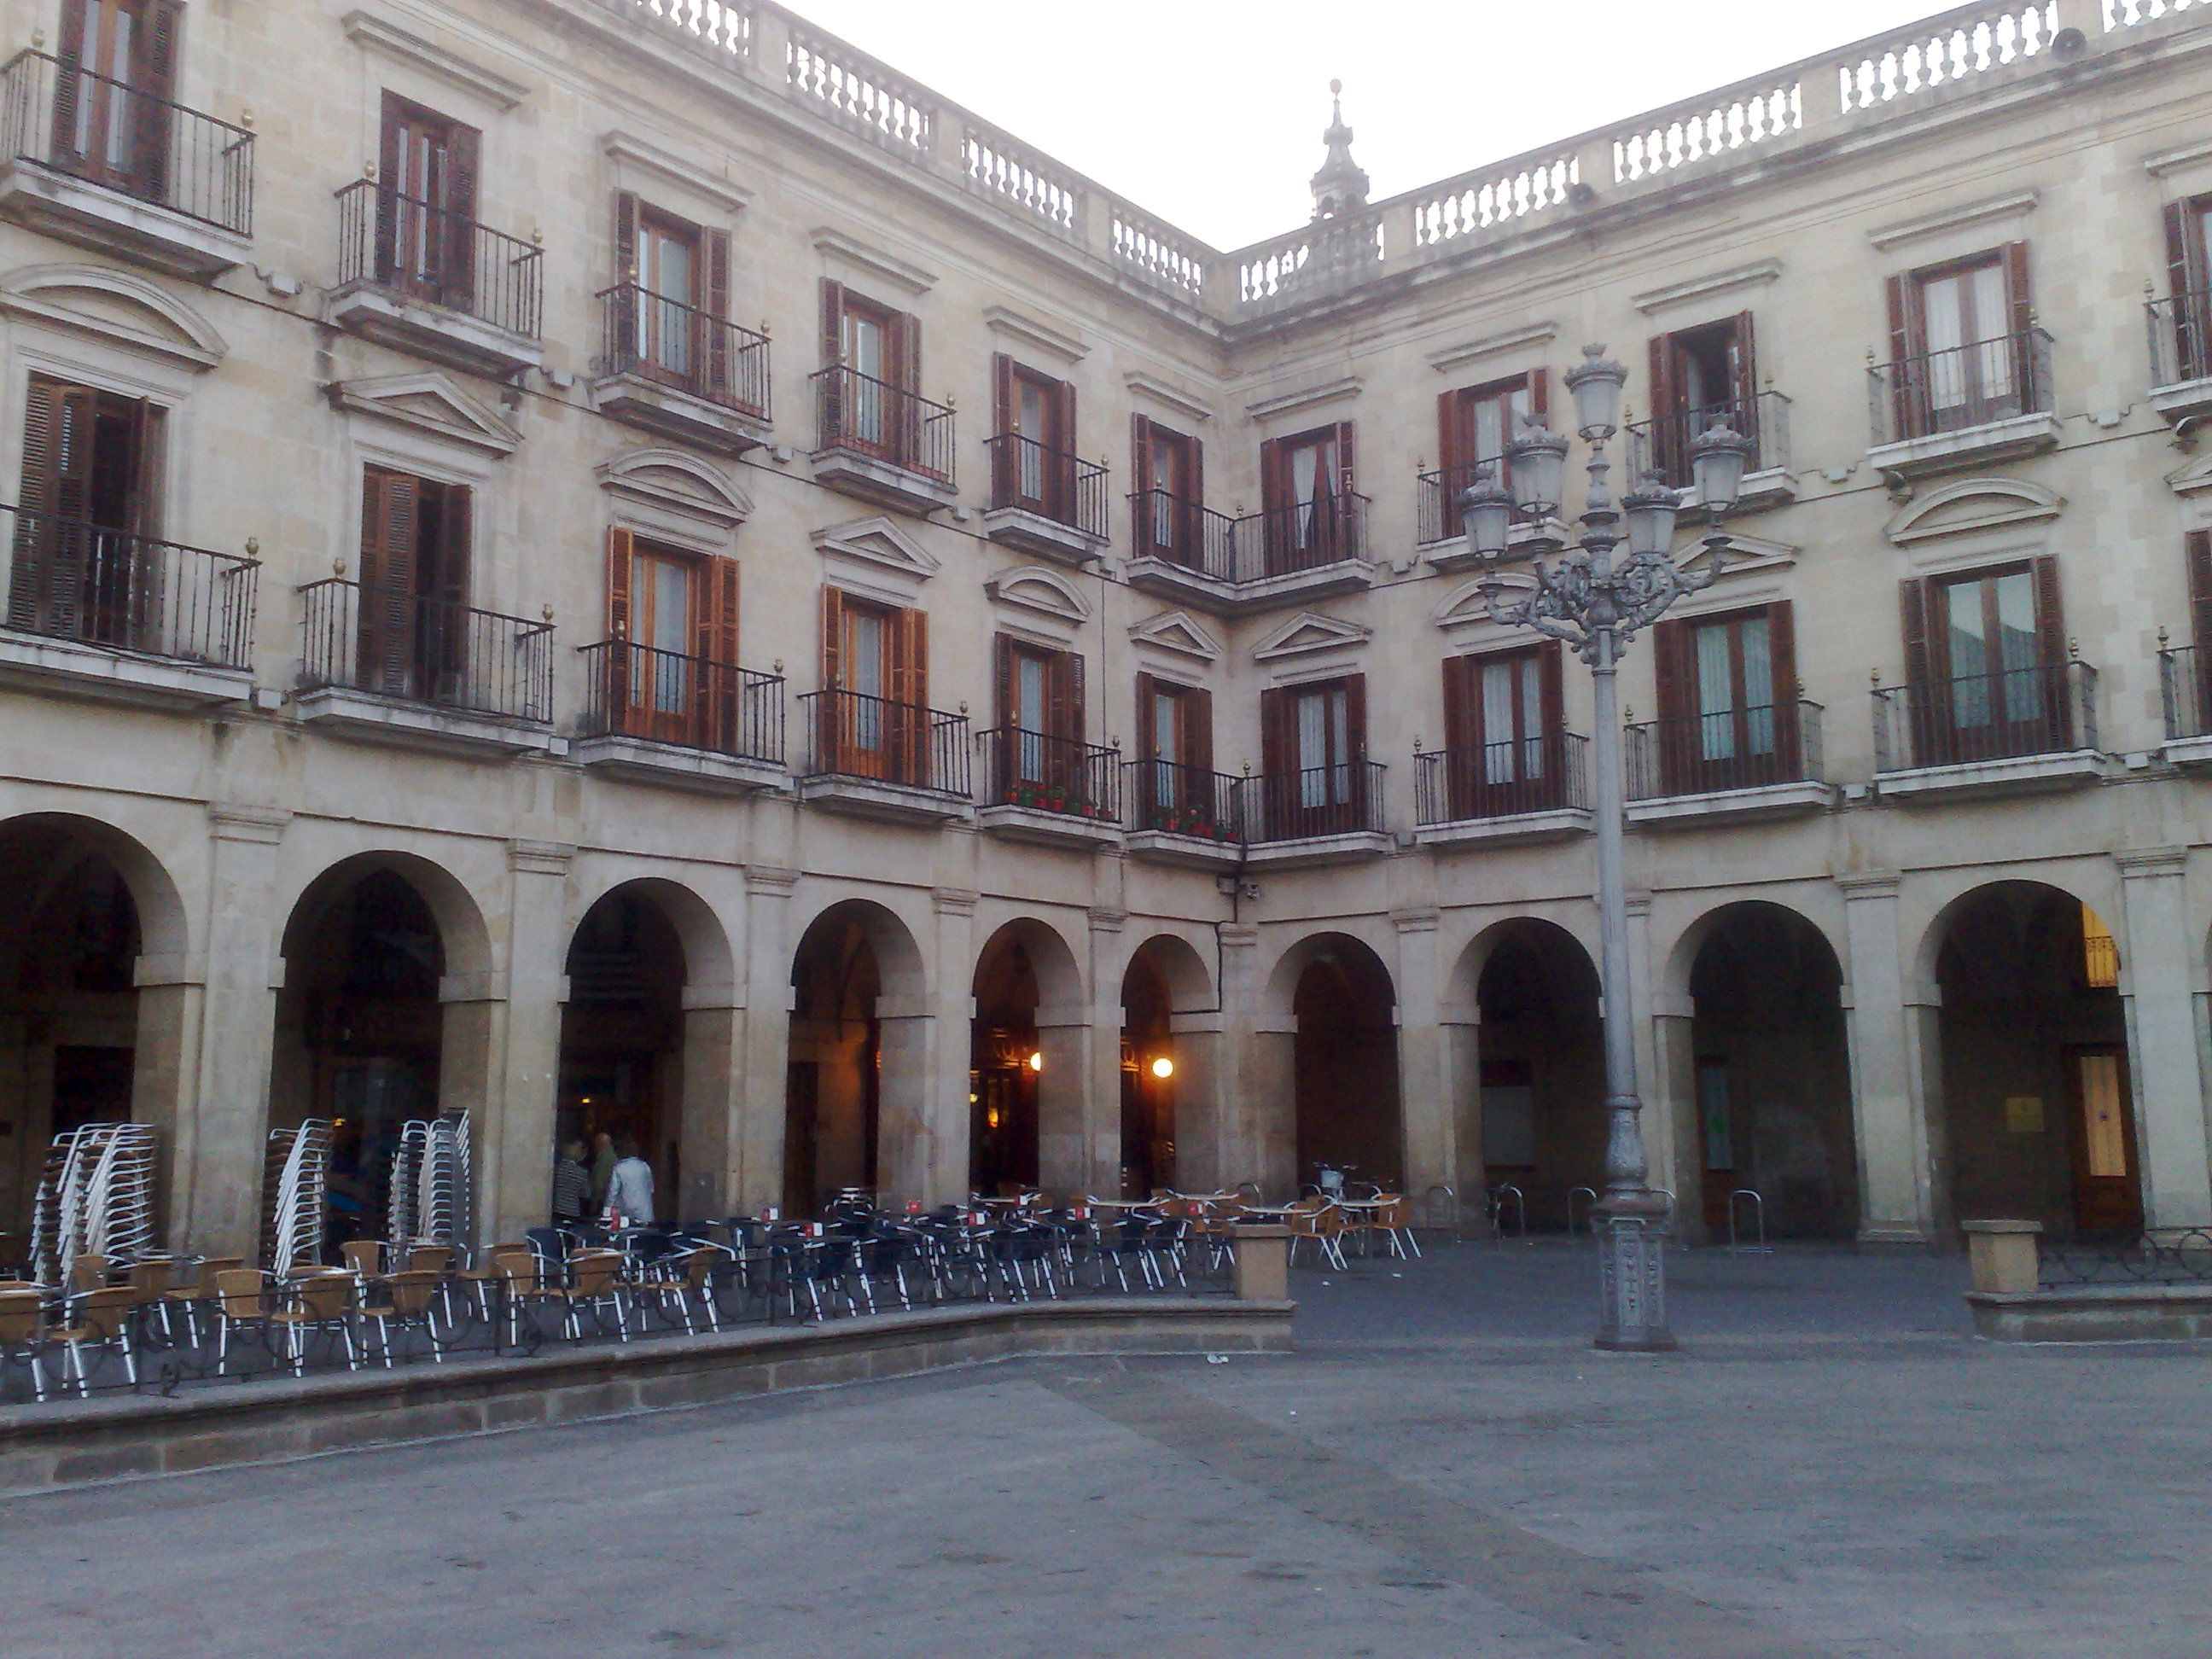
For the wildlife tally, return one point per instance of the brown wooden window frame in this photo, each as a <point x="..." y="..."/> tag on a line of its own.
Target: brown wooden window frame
<point x="1920" y="381"/>
<point x="1746" y="744"/>
<point x="1037" y="476"/>
<point x="1168" y="523"/>
<point x="1531" y="776"/>
<point x="1676" y="423"/>
<point x="114" y="128"/>
<point x="1460" y="458"/>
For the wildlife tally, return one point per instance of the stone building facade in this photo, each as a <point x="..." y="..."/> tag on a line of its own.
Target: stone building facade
<point x="617" y="564"/>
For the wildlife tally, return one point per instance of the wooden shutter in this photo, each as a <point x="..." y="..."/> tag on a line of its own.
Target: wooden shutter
<point x="1552" y="687"/>
<point x="52" y="544"/>
<point x="1278" y="734"/>
<point x="1004" y="706"/>
<point x="1666" y="391"/>
<point x="2187" y="281"/>
<point x="1920" y="664"/>
<point x="626" y="212"/>
<point x="1671" y="647"/>
<point x="1460" y="731"/>
<point x="2018" y="302"/>
<point x="1668" y="453"/>
<point x="1198" y="732"/>
<point x="1147" y="747"/>
<point x="1453" y="449"/>
<point x="1355" y="725"/>
<point x="1781" y="669"/>
<point x="619" y="671"/>
<point x="829" y="408"/>
<point x="714" y="255"/>
<point x="1006" y="467"/>
<point x="391" y="537"/>
<point x="1746" y="365"/>
<point x="833" y="639"/>
<point x="1062" y="466"/>
<point x="74" y="18"/>
<point x="1539" y="398"/>
<point x="2050" y="615"/>
<point x="1194" y="461"/>
<point x="902" y="342"/>
<point x="464" y="151"/>
<point x="911" y="686"/>
<point x="1905" y="329"/>
<point x="1140" y="456"/>
<point x="2184" y="252"/>
<point x="155" y="73"/>
<point x="1064" y="696"/>
<point x="2198" y="550"/>
<point x="621" y="553"/>
<point x="1347" y="482"/>
<point x="1274" y="476"/>
<point x="715" y="629"/>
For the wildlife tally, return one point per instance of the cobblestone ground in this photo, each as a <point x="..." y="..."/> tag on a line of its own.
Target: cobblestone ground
<point x="1831" y="1466"/>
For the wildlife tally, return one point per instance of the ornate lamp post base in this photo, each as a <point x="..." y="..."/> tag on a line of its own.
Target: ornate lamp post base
<point x="1632" y="1284"/>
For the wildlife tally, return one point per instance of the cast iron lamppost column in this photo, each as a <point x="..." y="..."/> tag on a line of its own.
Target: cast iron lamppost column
<point x="1597" y="606"/>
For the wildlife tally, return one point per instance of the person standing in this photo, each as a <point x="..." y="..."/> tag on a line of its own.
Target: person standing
<point x="572" y="1185"/>
<point x="629" y="1193"/>
<point x="603" y="1169"/>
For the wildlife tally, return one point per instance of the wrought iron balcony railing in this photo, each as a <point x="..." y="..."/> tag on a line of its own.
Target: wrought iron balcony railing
<point x="1963" y="387"/>
<point x="866" y="416"/>
<point x="1185" y="800"/>
<point x="693" y="702"/>
<point x="58" y="113"/>
<point x="1729" y="749"/>
<point x="2184" y="680"/>
<point x="418" y="251"/>
<point x="2181" y="337"/>
<point x="1167" y="527"/>
<point x="1051" y="775"/>
<point x="2048" y="709"/>
<point x="683" y="348"/>
<point x="392" y="643"/>
<point x="1284" y="541"/>
<point x="1545" y="773"/>
<point x="1321" y="800"/>
<point x="1661" y="444"/>
<point x="1053" y="482"/>
<point x="73" y="581"/>
<point x="851" y="734"/>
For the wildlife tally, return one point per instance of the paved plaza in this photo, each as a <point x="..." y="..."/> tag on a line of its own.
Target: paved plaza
<point x="1832" y="1466"/>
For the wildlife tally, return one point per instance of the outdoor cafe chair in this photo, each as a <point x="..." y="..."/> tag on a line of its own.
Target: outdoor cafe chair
<point x="98" y="1321"/>
<point x="679" y="1281"/>
<point x="404" y="1302"/>
<point x="429" y="1259"/>
<point x="88" y="1271"/>
<point x="1394" y="1219"/>
<point x="364" y="1258"/>
<point x="23" y="1334"/>
<point x="523" y="1286"/>
<point x="594" y="1283"/>
<point x="478" y="1282"/>
<point x="320" y="1303"/>
<point x="1318" y="1220"/>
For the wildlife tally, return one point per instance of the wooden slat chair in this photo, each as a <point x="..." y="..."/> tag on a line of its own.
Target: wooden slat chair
<point x="594" y="1282"/>
<point x="1395" y="1221"/>
<point x="241" y="1304"/>
<point x="88" y="1272"/>
<point x="320" y="1302"/>
<point x="23" y="1334"/>
<point x="520" y="1284"/>
<point x="364" y="1258"/>
<point x="198" y="1293"/>
<point x="679" y="1282"/>
<point x="403" y="1301"/>
<point x="98" y="1321"/>
<point x="429" y="1258"/>
<point x="486" y="1277"/>
<point x="1320" y="1220"/>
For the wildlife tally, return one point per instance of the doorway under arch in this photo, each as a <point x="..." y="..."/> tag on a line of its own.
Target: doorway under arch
<point x="1542" y="1070"/>
<point x="1006" y="1070"/>
<point x="2037" y="1105"/>
<point x="1345" y="1065"/>
<point x="833" y="1087"/>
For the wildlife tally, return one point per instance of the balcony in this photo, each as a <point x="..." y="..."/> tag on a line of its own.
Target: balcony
<point x="2181" y="355"/>
<point x="1969" y="406"/>
<point x="1530" y="790"/>
<point x="1046" y="501"/>
<point x="881" y="443"/>
<point x="679" y="373"/>
<point x="1234" y="567"/>
<point x="98" y="163"/>
<point x="1662" y="444"/>
<point x="2184" y="679"/>
<point x="896" y="762"/>
<point x="2021" y="731"/>
<point x="1184" y="817"/>
<point x="685" y="722"/>
<point x="424" y="279"/>
<point x="1052" y="791"/>
<point x="1442" y="530"/>
<point x="1734" y="766"/>
<point x="106" y="615"/>
<point x="1322" y="815"/>
<point x="387" y="666"/>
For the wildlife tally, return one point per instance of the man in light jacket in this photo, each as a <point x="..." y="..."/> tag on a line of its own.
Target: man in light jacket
<point x="629" y="1189"/>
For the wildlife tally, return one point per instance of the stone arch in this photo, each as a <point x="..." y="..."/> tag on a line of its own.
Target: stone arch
<point x="1541" y="1070"/>
<point x="1186" y="975"/>
<point x="1166" y="1068"/>
<point x="464" y="932"/>
<point x="1027" y="1057"/>
<point x="1328" y="1083"/>
<point x="164" y="929"/>
<point x="709" y="957"/>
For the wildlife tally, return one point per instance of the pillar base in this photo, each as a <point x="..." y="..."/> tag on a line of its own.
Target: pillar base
<point x="1632" y="1286"/>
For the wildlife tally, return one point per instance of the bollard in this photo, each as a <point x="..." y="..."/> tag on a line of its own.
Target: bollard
<point x="1263" y="1263"/>
<point x="2001" y="1255"/>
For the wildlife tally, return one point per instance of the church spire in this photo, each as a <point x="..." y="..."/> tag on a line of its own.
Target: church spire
<point x="1340" y="186"/>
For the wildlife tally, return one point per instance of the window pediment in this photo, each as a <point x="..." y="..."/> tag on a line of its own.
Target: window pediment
<point x="1308" y="633"/>
<point x="1044" y="592"/>
<point x="430" y="404"/>
<point x="115" y="306"/>
<point x="1178" y="632"/>
<point x="682" y="484"/>
<point x="878" y="557"/>
<point x="1973" y="504"/>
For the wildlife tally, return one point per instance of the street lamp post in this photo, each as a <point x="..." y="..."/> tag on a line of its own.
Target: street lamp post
<point x="1597" y="606"/>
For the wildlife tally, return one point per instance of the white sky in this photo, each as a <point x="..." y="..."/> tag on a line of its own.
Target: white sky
<point x="1210" y="112"/>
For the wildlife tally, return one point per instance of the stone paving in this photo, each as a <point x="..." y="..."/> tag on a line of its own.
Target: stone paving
<point x="1832" y="1466"/>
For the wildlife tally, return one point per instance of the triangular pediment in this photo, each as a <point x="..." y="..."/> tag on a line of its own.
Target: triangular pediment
<point x="881" y="543"/>
<point x="2194" y="478"/>
<point x="1307" y="632"/>
<point x="1178" y="631"/>
<point x="1742" y="555"/>
<point x="680" y="483"/>
<point x="429" y="403"/>
<point x="1047" y="593"/>
<point x="1968" y="505"/>
<point x="116" y="307"/>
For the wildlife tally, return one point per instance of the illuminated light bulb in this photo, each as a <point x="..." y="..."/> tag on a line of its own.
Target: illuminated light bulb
<point x="1163" y="1068"/>
<point x="1037" y="1061"/>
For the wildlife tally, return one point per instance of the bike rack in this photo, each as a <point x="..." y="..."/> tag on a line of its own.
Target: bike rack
<point x="1758" y="1215"/>
<point x="1589" y="1193"/>
<point x="1497" y="1195"/>
<point x="1440" y="1209"/>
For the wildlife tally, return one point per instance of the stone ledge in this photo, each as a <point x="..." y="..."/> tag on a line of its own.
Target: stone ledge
<point x="124" y="1437"/>
<point x="2094" y="1313"/>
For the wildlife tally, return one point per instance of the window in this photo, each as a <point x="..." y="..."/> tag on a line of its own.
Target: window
<point x="1033" y="439"/>
<point x="1474" y="425"/>
<point x="427" y="204"/>
<point x="1313" y="739"/>
<point x="413" y="631"/>
<point x="672" y="626"/>
<point x="80" y="569"/>
<point x="119" y="64"/>
<point x="1728" y="695"/>
<point x="1171" y="493"/>
<point x="1502" y="727"/>
<point x="875" y="719"/>
<point x="1962" y="338"/>
<point x="1985" y="654"/>
<point x="1175" y="786"/>
<point x="1308" y="482"/>
<point x="874" y="353"/>
<point x="1040" y="722"/>
<point x="675" y="278"/>
<point x="2189" y="278"/>
<point x="2192" y="691"/>
<point x="1698" y="376"/>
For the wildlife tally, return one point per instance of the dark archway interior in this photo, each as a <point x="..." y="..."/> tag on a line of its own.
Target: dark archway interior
<point x="69" y="1013"/>
<point x="832" y="1093"/>
<point x="2035" y="1092"/>
<point x="1148" y="1101"/>
<point x="1345" y="1056"/>
<point x="359" y="1031"/>
<point x="1002" y="1144"/>
<point x="622" y="1042"/>
<point x="1543" y="1072"/>
<point x="1773" y="1077"/>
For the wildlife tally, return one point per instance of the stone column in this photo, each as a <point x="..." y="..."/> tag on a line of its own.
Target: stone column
<point x="764" y="1068"/>
<point x="1897" y="1082"/>
<point x="516" y="1149"/>
<point x="1427" y="1126"/>
<point x="204" y="1052"/>
<point x="1201" y="1105"/>
<point x="1676" y="1142"/>
<point x="1656" y="1084"/>
<point x="1257" y="1090"/>
<point x="2159" y="975"/>
<point x="714" y="1054"/>
<point x="1459" y="1049"/>
<point x="1102" y="1055"/>
<point x="925" y="1109"/>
